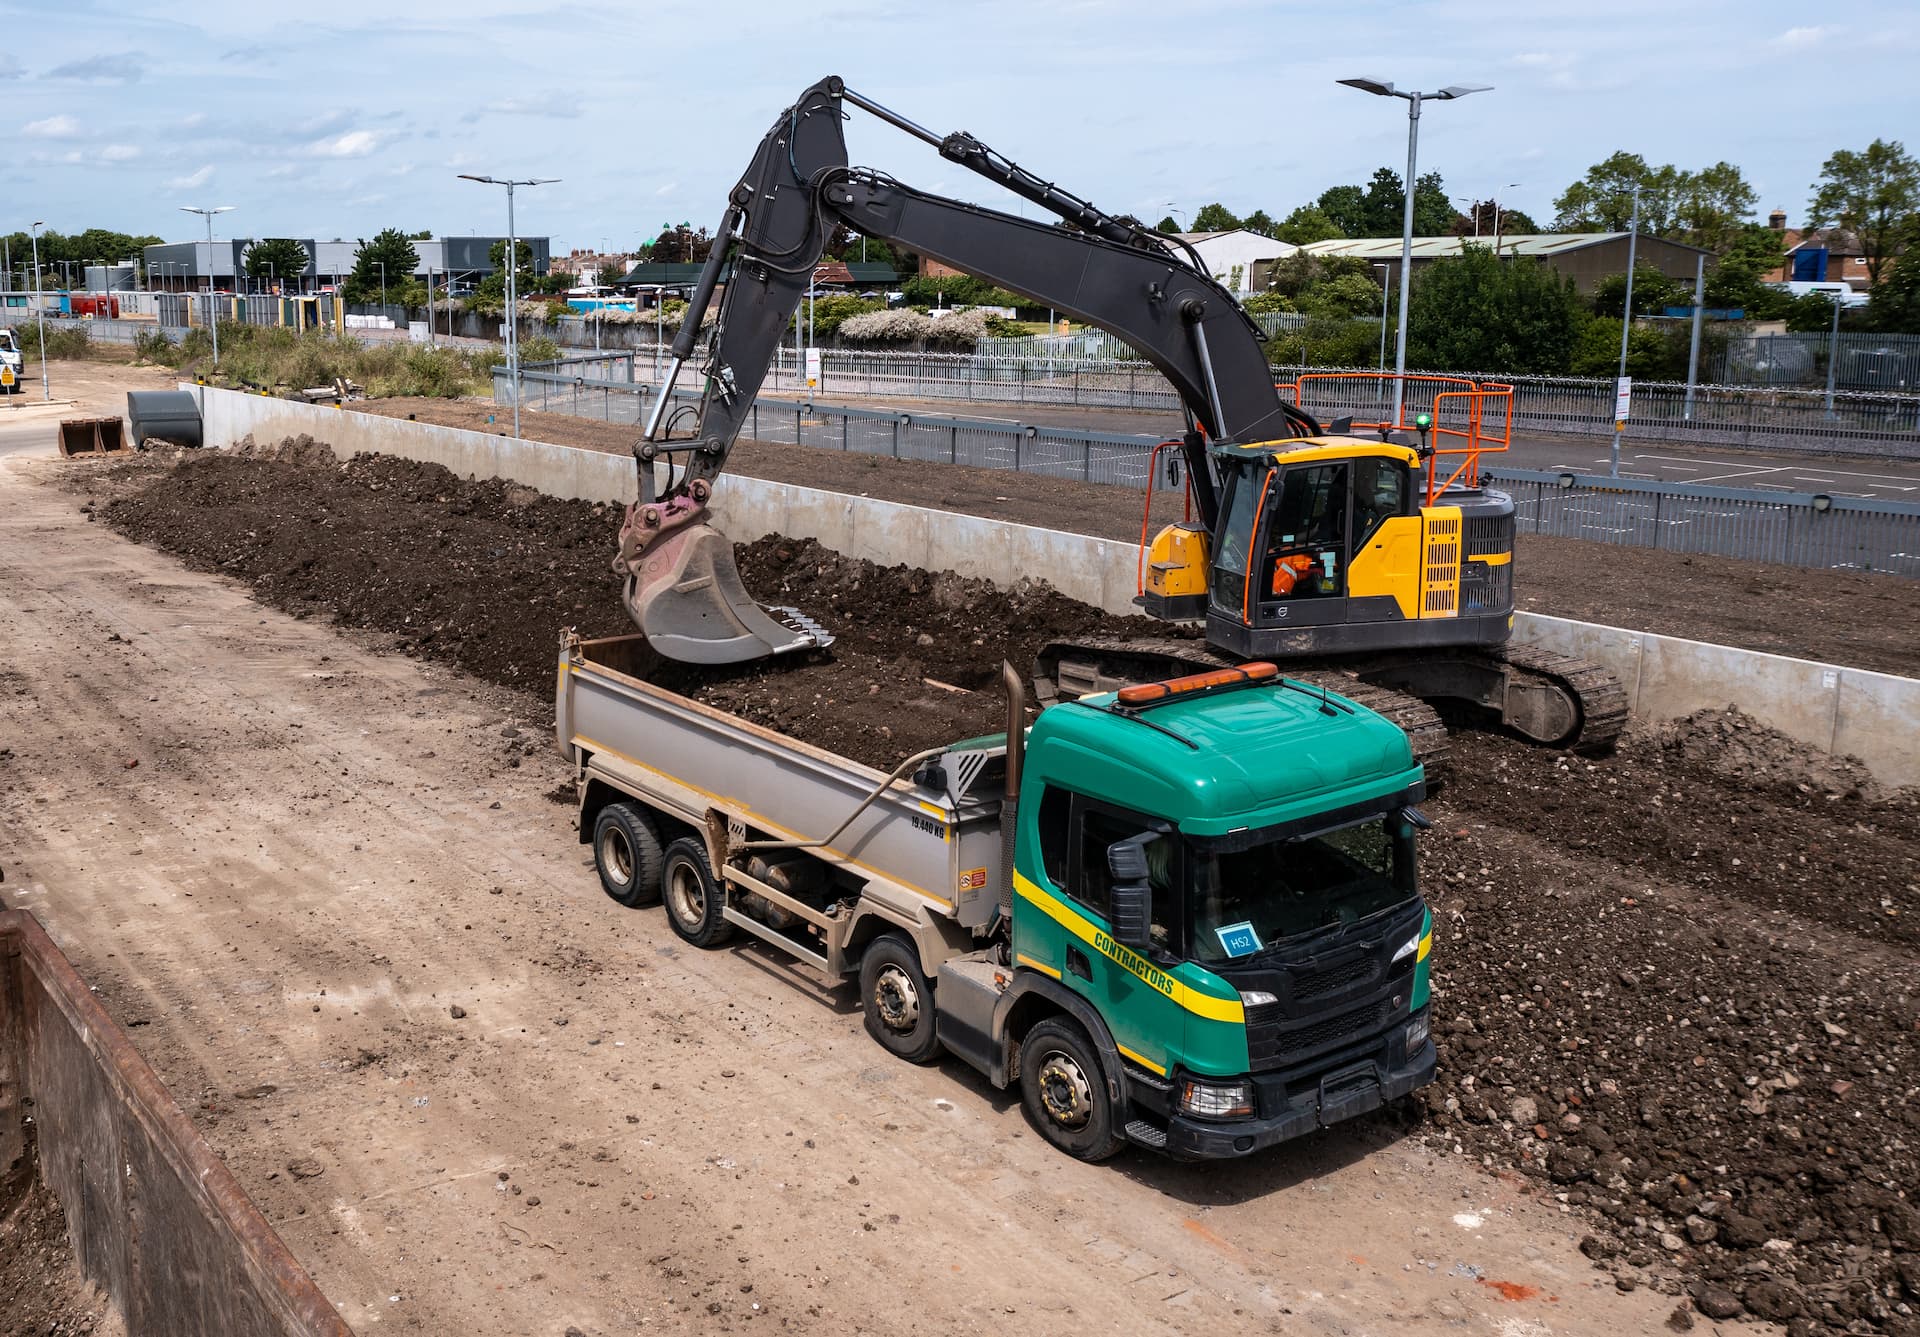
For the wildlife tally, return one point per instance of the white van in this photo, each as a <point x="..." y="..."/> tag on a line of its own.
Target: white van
<point x="9" y="363"/>
<point x="1849" y="296"/>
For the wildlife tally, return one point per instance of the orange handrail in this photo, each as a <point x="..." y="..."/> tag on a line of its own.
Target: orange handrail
<point x="1146" y="515"/>
<point x="1477" y="402"/>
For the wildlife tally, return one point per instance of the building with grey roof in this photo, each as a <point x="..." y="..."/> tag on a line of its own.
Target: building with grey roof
<point x="1584" y="257"/>
<point x="197" y="266"/>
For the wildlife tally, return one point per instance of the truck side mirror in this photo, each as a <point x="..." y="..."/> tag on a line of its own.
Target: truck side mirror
<point x="1131" y="900"/>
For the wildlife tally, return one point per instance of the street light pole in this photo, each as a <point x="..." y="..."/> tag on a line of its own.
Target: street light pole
<point x="213" y="314"/>
<point x="383" y="285"/>
<point x="1511" y="185"/>
<point x="513" y="264"/>
<point x="1626" y="325"/>
<point x="1381" y="88"/>
<point x="1833" y="351"/>
<point x="40" y="313"/>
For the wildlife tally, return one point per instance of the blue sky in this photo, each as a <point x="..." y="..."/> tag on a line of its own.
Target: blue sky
<point x="342" y="122"/>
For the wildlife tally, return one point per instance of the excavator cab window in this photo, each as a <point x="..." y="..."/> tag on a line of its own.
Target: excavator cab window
<point x="1382" y="489"/>
<point x="1306" y="550"/>
<point x="1241" y="484"/>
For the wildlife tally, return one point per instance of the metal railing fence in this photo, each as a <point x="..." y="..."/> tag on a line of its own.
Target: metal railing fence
<point x="1853" y="423"/>
<point x="1791" y="528"/>
<point x="1801" y="529"/>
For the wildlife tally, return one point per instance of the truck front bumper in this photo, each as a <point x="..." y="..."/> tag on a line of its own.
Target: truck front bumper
<point x="1343" y="1094"/>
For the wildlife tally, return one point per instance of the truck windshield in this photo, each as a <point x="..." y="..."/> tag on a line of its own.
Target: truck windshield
<point x="1247" y="895"/>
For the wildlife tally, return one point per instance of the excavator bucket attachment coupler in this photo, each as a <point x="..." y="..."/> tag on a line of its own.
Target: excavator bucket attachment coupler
<point x="684" y="592"/>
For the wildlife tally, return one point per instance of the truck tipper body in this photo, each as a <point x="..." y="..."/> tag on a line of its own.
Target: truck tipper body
<point x="1185" y="915"/>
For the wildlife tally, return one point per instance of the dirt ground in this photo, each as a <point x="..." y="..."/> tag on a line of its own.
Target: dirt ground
<point x="1844" y="617"/>
<point x="1675" y="989"/>
<point x="42" y="1292"/>
<point x="359" y="941"/>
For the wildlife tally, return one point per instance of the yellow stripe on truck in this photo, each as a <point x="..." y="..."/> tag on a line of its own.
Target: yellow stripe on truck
<point x="1070" y="919"/>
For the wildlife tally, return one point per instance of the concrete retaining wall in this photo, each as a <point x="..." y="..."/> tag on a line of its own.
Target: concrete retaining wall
<point x="155" y="1217"/>
<point x="1874" y="716"/>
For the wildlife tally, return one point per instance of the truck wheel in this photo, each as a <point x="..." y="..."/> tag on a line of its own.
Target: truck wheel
<point x="627" y="854"/>
<point x="898" y="999"/>
<point x="1064" y="1091"/>
<point x="693" y="901"/>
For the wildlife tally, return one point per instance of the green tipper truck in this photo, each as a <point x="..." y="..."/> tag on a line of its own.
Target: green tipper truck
<point x="1183" y="915"/>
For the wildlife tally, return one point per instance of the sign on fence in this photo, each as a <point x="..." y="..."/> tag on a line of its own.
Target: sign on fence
<point x="813" y="369"/>
<point x="1622" y="399"/>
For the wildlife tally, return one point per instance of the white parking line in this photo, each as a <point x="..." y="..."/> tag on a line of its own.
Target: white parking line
<point x="1906" y="482"/>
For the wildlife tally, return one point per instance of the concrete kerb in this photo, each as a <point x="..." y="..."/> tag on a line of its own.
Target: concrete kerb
<point x="1874" y="716"/>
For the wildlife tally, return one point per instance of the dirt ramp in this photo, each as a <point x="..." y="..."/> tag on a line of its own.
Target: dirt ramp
<point x="155" y="1218"/>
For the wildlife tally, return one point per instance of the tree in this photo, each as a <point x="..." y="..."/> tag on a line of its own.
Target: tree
<point x="1494" y="217"/>
<point x="1896" y="302"/>
<point x="1477" y="312"/>
<point x="390" y="248"/>
<point x="280" y="259"/>
<point x="1874" y="194"/>
<point x="1214" y="218"/>
<point x="1754" y="250"/>
<point x="1705" y="208"/>
<point x="1166" y="225"/>
<point x="681" y="245"/>
<point x="424" y="234"/>
<point x="1346" y="208"/>
<point x="1306" y="225"/>
<point x="1259" y="221"/>
<point x="525" y="282"/>
<point x="1653" y="292"/>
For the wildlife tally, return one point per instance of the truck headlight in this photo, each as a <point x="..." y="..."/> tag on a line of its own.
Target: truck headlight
<point x="1257" y="998"/>
<point x="1216" y="1100"/>
<point x="1408" y="948"/>
<point x="1416" y="1033"/>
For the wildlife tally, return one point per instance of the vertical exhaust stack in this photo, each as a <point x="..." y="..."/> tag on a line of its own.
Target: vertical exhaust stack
<point x="1016" y="762"/>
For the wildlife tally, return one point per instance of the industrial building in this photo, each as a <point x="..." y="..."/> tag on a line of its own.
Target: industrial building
<point x="1584" y="257"/>
<point x="197" y="266"/>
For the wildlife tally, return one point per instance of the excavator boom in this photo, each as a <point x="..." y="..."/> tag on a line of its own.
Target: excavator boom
<point x="682" y="587"/>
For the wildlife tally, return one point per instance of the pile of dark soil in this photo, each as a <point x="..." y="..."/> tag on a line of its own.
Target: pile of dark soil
<point x="1684" y="997"/>
<point x="486" y="575"/>
<point x="42" y="1293"/>
<point x="1677" y="987"/>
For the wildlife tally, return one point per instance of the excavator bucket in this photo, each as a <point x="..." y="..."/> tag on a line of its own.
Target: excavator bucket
<point x="686" y="596"/>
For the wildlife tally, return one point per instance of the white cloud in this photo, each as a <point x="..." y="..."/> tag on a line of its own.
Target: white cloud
<point x="672" y="186"/>
<point x="544" y="104"/>
<point x="119" y="153"/>
<point x="193" y="180"/>
<point x="1801" y="38"/>
<point x="353" y="144"/>
<point x="10" y="68"/>
<point x="53" y="127"/>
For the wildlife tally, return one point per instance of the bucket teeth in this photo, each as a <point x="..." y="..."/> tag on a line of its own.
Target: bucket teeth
<point x="799" y="622"/>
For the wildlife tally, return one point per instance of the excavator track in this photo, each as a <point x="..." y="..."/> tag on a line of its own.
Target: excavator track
<point x="1601" y="699"/>
<point x="1115" y="663"/>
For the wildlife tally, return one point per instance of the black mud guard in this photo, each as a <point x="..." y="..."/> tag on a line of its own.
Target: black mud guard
<point x="1031" y="981"/>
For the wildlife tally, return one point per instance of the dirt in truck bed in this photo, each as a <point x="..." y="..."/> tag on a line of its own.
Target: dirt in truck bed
<point x="1863" y="619"/>
<point x="1675" y="989"/>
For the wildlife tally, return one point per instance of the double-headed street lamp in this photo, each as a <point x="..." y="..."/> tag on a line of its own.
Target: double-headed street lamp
<point x="1381" y="88"/>
<point x="512" y="258"/>
<point x="213" y="310"/>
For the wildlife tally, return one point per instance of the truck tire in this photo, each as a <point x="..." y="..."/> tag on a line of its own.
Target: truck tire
<point x="693" y="901"/>
<point x="627" y="854"/>
<point x="898" y="1000"/>
<point x="1063" y="1090"/>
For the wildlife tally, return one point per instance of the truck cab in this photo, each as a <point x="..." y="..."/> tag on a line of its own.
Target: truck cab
<point x="1226" y="874"/>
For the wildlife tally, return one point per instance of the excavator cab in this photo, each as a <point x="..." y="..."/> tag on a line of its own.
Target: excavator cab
<point x="1324" y="546"/>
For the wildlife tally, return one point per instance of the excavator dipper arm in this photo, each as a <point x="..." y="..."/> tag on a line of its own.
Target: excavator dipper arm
<point x="682" y="587"/>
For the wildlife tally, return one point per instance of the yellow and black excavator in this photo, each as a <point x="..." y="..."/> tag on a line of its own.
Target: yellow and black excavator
<point x="1349" y="558"/>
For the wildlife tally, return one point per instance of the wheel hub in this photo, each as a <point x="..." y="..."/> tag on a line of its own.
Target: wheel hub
<point x="897" y="1000"/>
<point x="1065" y="1091"/>
<point x="689" y="903"/>
<point x="616" y="855"/>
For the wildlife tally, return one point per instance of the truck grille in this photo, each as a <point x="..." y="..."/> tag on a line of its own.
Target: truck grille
<point x="1309" y="985"/>
<point x="1268" y="1046"/>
